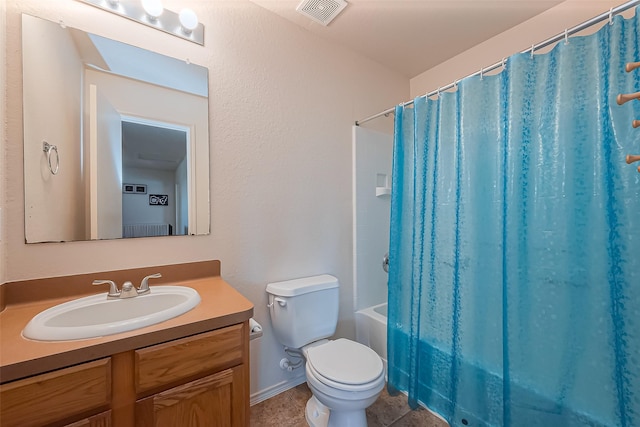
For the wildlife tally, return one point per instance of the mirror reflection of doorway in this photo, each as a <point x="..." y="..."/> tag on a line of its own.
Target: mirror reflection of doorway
<point x="154" y="165"/>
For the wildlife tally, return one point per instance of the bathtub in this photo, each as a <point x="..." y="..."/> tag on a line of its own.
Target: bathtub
<point x="371" y="329"/>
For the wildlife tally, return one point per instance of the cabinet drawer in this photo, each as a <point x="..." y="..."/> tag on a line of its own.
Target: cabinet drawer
<point x="169" y="363"/>
<point x="57" y="395"/>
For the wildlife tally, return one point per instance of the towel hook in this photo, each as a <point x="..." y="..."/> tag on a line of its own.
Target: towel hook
<point x="631" y="66"/>
<point x="632" y="158"/>
<point x="49" y="148"/>
<point x="626" y="97"/>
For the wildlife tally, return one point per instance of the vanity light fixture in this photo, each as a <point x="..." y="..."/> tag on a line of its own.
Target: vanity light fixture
<point x="188" y="20"/>
<point x="151" y="13"/>
<point x="153" y="8"/>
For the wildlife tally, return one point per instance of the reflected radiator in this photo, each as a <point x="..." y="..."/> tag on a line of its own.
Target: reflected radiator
<point x="146" y="230"/>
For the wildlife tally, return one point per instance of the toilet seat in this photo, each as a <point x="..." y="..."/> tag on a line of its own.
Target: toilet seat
<point x="345" y="365"/>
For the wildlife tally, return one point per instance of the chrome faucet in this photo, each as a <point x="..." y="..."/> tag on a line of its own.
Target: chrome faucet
<point x="128" y="290"/>
<point x="113" y="288"/>
<point x="144" y="285"/>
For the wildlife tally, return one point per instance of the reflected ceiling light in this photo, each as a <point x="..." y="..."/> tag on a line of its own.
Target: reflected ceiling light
<point x="153" y="8"/>
<point x="151" y="12"/>
<point x="188" y="20"/>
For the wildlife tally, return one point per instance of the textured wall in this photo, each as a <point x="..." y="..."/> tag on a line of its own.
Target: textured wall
<point x="3" y="144"/>
<point x="282" y="103"/>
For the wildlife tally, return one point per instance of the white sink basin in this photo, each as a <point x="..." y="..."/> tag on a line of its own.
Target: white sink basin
<point x="96" y="316"/>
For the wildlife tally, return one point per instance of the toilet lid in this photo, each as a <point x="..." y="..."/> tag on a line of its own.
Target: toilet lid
<point x="345" y="361"/>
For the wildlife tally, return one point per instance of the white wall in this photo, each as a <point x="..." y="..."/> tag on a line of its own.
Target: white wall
<point x="537" y="29"/>
<point x="181" y="190"/>
<point x="282" y="103"/>
<point x="136" y="208"/>
<point x="59" y="126"/>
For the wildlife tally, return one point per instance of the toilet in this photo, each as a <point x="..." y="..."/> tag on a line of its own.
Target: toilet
<point x="344" y="376"/>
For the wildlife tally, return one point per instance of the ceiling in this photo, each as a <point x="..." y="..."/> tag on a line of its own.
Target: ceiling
<point x="412" y="36"/>
<point x="152" y="147"/>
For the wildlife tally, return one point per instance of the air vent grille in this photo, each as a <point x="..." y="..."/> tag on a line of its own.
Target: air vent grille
<point x="321" y="11"/>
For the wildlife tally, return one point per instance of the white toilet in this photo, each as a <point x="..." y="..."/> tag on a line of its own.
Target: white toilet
<point x="344" y="376"/>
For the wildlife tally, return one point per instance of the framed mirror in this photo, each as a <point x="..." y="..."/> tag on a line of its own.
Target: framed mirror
<point x="116" y="138"/>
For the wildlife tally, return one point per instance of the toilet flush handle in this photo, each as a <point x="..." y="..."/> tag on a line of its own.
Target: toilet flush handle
<point x="280" y="301"/>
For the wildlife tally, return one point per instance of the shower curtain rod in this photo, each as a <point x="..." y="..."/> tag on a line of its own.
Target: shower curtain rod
<point x="565" y="34"/>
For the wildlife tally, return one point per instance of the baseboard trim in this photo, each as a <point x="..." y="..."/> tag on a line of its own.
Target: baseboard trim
<point x="275" y="389"/>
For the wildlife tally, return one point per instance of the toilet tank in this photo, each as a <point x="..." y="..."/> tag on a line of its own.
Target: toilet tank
<point x="304" y="310"/>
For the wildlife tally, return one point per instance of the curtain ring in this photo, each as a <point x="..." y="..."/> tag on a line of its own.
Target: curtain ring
<point x="481" y="72"/>
<point x="504" y="63"/>
<point x="533" y="47"/>
<point x="49" y="148"/>
<point x="566" y="36"/>
<point x="611" y="16"/>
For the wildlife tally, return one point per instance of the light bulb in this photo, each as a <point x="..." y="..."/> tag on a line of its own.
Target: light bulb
<point x="153" y="8"/>
<point x="188" y="20"/>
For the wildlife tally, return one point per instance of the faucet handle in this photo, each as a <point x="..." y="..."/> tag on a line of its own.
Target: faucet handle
<point x="113" y="288"/>
<point x="144" y="286"/>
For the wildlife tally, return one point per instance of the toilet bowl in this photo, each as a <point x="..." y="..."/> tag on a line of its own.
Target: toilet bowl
<point x="345" y="378"/>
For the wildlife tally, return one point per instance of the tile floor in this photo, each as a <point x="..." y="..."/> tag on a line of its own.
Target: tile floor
<point x="287" y="410"/>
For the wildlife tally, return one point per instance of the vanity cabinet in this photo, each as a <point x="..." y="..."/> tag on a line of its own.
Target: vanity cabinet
<point x="200" y="380"/>
<point x="191" y="370"/>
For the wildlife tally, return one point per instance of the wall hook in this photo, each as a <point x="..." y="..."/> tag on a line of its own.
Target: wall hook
<point x="632" y="158"/>
<point x="626" y="97"/>
<point x="631" y="66"/>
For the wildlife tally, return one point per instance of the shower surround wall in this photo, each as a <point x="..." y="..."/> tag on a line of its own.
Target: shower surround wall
<point x="372" y="156"/>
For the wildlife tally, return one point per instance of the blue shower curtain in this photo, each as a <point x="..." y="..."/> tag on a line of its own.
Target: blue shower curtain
<point x="514" y="286"/>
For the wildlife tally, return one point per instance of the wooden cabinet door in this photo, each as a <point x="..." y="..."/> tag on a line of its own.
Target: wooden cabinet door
<point x="213" y="401"/>
<point x="100" y="420"/>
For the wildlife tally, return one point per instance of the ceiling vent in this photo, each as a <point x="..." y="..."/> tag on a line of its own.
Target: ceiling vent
<point x="321" y="11"/>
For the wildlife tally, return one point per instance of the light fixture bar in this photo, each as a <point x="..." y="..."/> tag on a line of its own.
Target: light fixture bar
<point x="168" y="21"/>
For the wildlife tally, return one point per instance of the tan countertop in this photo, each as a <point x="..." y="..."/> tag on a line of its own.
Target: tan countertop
<point x="221" y="306"/>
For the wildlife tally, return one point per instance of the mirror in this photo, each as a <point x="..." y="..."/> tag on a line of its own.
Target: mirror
<point x="116" y="139"/>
